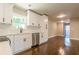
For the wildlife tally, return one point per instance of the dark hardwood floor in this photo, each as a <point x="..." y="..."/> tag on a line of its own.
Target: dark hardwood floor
<point x="54" y="46"/>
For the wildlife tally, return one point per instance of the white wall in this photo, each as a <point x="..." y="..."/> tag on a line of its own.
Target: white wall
<point x="74" y="28"/>
<point x="55" y="28"/>
<point x="5" y="30"/>
<point x="52" y="28"/>
<point x="60" y="29"/>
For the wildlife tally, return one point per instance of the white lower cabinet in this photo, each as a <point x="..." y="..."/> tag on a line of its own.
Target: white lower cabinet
<point x="42" y="40"/>
<point x="27" y="41"/>
<point x="11" y="37"/>
<point x="20" y="42"/>
<point x="43" y="37"/>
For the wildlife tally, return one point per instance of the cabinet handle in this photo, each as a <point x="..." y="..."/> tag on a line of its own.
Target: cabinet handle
<point x="39" y="26"/>
<point x="32" y="23"/>
<point x="24" y="39"/>
<point x="42" y="35"/>
<point x="11" y="20"/>
<point x="46" y="26"/>
<point x="21" y="30"/>
<point x="3" y="19"/>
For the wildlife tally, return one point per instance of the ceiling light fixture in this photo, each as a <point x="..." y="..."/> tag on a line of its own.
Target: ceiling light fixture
<point x="62" y="21"/>
<point x="61" y="16"/>
<point x="45" y="20"/>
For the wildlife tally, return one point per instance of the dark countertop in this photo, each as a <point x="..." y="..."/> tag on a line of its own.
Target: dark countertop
<point x="3" y="38"/>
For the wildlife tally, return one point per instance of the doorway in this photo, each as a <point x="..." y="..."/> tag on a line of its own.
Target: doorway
<point x="67" y="34"/>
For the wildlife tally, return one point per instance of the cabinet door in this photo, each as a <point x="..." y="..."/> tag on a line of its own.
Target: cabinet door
<point x="19" y="44"/>
<point x="44" y="29"/>
<point x="32" y="18"/>
<point x="37" y="19"/>
<point x="8" y="13"/>
<point x="28" y="41"/>
<point x="28" y="18"/>
<point x="43" y="37"/>
<point x="1" y="12"/>
<point x="11" y="37"/>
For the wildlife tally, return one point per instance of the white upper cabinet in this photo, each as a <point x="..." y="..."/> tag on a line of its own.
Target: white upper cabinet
<point x="44" y="23"/>
<point x="32" y="18"/>
<point x="8" y="10"/>
<point x="1" y="12"/>
<point x="6" y="13"/>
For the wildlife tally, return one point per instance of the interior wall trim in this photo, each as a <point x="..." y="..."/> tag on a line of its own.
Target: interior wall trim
<point x="52" y="36"/>
<point x="37" y="12"/>
<point x="74" y="18"/>
<point x="55" y="36"/>
<point x="74" y="38"/>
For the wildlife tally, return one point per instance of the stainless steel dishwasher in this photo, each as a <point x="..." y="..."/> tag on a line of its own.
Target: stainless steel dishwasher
<point x="35" y="39"/>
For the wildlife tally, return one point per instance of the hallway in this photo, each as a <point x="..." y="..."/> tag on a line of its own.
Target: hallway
<point x="55" y="46"/>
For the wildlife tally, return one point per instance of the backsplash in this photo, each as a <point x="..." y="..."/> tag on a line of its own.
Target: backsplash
<point x="9" y="29"/>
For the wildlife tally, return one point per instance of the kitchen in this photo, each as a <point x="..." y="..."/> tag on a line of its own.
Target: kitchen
<point x="23" y="27"/>
<point x="39" y="28"/>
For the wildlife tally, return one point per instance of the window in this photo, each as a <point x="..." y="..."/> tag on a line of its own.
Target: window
<point x="19" y="21"/>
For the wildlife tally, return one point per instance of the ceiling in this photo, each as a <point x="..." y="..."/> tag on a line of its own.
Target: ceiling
<point x="54" y="9"/>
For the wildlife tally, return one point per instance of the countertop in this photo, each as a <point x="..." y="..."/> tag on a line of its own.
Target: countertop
<point x="3" y="38"/>
<point x="26" y="32"/>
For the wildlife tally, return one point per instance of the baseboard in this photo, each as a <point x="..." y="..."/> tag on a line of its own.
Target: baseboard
<point x="19" y="53"/>
<point x="56" y="36"/>
<point x="74" y="38"/>
<point x="61" y="35"/>
<point x="29" y="49"/>
<point x="52" y="36"/>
